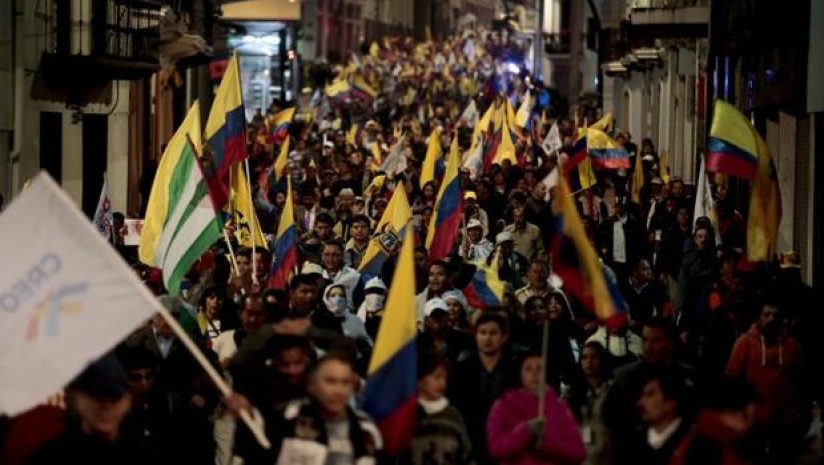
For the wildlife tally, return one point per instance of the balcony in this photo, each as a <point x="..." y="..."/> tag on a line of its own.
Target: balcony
<point x="100" y="39"/>
<point x="675" y="18"/>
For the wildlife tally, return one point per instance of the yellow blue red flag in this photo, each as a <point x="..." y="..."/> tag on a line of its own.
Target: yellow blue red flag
<point x="390" y="394"/>
<point x="575" y="261"/>
<point x="446" y="217"/>
<point x="225" y="133"/>
<point x="736" y="148"/>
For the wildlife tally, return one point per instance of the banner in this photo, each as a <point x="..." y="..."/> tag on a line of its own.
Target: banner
<point x="134" y="226"/>
<point x="68" y="299"/>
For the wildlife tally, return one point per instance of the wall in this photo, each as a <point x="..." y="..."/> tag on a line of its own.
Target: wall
<point x="26" y="151"/>
<point x="659" y="103"/>
<point x="815" y="62"/>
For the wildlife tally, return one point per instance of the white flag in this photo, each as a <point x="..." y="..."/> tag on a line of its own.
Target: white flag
<point x="68" y="298"/>
<point x="704" y="203"/>
<point x="470" y="114"/>
<point x="552" y="142"/>
<point x="550" y="181"/>
<point x="474" y="161"/>
<point x="395" y="161"/>
<point x="469" y="50"/>
<point x="103" y="213"/>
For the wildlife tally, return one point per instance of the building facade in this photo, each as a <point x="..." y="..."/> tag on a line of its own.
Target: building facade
<point x="667" y="62"/>
<point x="68" y="77"/>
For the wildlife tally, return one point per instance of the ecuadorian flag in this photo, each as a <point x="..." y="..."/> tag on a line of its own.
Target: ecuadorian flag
<point x="361" y="90"/>
<point x="578" y="168"/>
<point x="355" y="135"/>
<point x="736" y="148"/>
<point x="604" y="151"/>
<point x="576" y="262"/>
<point x="446" y="219"/>
<point x="485" y="289"/>
<point x="225" y="133"/>
<point x="338" y="89"/>
<point x="279" y="125"/>
<point x="285" y="250"/>
<point x="390" y="229"/>
<point x="732" y="146"/>
<point x="390" y="394"/>
<point x="282" y="161"/>
<point x="433" y="154"/>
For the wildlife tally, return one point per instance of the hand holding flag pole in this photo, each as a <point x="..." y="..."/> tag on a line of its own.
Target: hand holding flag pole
<point x="220" y="383"/>
<point x="85" y="235"/>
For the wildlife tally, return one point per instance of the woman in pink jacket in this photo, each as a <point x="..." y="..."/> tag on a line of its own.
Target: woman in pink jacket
<point x="517" y="435"/>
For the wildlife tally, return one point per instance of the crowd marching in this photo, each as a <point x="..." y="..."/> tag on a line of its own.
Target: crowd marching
<point x="573" y="300"/>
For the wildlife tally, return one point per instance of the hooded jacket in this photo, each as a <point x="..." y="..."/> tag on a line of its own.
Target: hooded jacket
<point x="351" y="325"/>
<point x="512" y="442"/>
<point x="769" y="368"/>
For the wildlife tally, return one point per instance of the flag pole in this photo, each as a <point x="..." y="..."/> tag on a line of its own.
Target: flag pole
<point x="252" y="223"/>
<point x="147" y="294"/>
<point x="219" y="382"/>
<point x="231" y="251"/>
<point x="542" y="381"/>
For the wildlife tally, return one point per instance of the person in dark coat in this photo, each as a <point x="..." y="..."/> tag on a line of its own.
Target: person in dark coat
<point x="478" y="381"/>
<point x="322" y="418"/>
<point x="95" y="433"/>
<point x="621" y="240"/>
<point x="664" y="423"/>
<point x="620" y="413"/>
<point x="674" y="243"/>
<point x="699" y="270"/>
<point x="645" y="296"/>
<point x="440" y="432"/>
<point x="721" y="433"/>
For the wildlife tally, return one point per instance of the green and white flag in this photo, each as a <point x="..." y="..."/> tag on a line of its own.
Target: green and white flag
<point x="183" y="217"/>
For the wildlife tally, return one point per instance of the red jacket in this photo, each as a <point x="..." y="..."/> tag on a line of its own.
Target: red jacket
<point x="709" y="442"/>
<point x="512" y="442"/>
<point x="769" y="368"/>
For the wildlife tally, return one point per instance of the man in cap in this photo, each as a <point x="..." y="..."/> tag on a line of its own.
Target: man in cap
<point x="474" y="211"/>
<point x="475" y="246"/>
<point x="100" y="400"/>
<point x="511" y="265"/>
<point x="439" y="336"/>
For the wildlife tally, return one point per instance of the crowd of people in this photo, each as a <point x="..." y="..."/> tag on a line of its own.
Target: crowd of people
<point x="715" y="364"/>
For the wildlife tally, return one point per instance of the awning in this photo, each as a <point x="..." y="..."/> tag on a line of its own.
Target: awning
<point x="262" y="10"/>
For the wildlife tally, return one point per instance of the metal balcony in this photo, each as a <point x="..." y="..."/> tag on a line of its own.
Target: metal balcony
<point x="101" y="39"/>
<point x="669" y="12"/>
<point x="668" y="18"/>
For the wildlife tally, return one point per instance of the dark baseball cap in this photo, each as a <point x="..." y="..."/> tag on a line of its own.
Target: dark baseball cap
<point x="103" y="379"/>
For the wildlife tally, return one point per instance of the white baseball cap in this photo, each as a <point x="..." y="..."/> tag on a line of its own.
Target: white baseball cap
<point x="311" y="268"/>
<point x="435" y="304"/>
<point x="504" y="236"/>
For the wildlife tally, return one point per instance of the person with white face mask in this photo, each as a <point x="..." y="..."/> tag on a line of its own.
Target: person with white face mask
<point x="334" y="297"/>
<point x="372" y="306"/>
